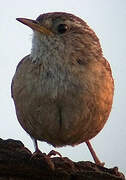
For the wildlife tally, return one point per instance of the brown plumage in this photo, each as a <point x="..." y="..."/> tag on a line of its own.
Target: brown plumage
<point x="63" y="90"/>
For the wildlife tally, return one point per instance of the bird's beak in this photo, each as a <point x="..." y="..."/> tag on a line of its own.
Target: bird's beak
<point x="35" y="25"/>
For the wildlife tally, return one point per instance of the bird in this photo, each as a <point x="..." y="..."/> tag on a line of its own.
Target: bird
<point x="63" y="90"/>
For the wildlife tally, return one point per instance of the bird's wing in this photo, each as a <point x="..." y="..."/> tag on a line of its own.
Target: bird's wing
<point x="107" y="65"/>
<point x="26" y="58"/>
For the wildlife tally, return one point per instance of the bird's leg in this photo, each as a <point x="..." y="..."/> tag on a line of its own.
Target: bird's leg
<point x="96" y="160"/>
<point x="37" y="151"/>
<point x="36" y="145"/>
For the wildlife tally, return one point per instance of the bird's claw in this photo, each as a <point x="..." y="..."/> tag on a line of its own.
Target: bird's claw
<point x="54" y="153"/>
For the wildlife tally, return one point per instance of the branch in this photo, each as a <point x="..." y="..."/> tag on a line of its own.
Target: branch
<point x="18" y="163"/>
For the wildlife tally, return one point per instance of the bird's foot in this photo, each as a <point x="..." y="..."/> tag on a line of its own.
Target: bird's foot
<point x="61" y="161"/>
<point x="54" y="153"/>
<point x="98" y="162"/>
<point x="38" y="155"/>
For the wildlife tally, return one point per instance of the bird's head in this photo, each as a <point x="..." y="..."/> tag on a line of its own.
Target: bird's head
<point x="63" y="34"/>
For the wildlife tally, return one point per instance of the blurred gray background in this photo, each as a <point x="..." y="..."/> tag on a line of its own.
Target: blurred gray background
<point x="108" y="20"/>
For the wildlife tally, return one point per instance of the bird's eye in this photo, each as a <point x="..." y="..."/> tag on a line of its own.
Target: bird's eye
<point x="62" y="28"/>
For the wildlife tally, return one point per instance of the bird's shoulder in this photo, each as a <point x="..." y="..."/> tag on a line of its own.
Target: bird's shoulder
<point x="24" y="61"/>
<point x="107" y="66"/>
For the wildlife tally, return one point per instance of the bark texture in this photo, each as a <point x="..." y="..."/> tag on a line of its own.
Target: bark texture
<point x="18" y="163"/>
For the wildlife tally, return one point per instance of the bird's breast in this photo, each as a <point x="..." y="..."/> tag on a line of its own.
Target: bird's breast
<point x="56" y="81"/>
<point x="59" y="104"/>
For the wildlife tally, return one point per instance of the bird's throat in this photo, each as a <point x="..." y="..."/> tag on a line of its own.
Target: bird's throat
<point x="45" y="47"/>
